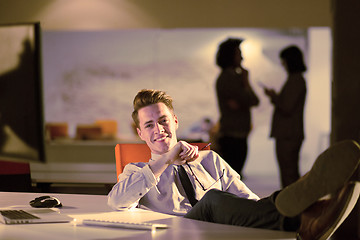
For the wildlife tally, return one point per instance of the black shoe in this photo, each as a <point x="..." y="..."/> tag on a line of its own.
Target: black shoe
<point x="330" y="172"/>
<point x="320" y="220"/>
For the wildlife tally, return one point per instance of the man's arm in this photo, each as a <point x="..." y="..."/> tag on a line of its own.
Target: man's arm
<point x="231" y="181"/>
<point x="236" y="91"/>
<point x="134" y="182"/>
<point x="239" y="188"/>
<point x="137" y="180"/>
<point x="181" y="153"/>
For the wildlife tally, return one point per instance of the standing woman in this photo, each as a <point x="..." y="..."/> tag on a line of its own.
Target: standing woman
<point x="287" y="123"/>
<point x="235" y="98"/>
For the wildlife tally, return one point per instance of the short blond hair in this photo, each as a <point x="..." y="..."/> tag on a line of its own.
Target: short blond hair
<point x="148" y="97"/>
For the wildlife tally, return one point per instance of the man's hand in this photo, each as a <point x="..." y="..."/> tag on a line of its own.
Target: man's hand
<point x="181" y="153"/>
<point x="245" y="78"/>
<point x="271" y="94"/>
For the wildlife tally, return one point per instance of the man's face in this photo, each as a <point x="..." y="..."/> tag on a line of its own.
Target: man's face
<point x="157" y="127"/>
<point x="238" y="56"/>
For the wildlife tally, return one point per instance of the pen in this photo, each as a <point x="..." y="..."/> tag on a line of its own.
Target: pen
<point x="200" y="150"/>
<point x="205" y="146"/>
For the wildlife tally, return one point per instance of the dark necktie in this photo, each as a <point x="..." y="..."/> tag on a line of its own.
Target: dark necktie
<point x="185" y="182"/>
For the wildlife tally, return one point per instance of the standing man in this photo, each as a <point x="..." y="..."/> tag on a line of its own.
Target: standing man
<point x="235" y="99"/>
<point x="214" y="192"/>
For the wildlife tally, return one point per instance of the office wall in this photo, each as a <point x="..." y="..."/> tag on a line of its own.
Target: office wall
<point x="130" y="14"/>
<point x="100" y="15"/>
<point x="91" y="75"/>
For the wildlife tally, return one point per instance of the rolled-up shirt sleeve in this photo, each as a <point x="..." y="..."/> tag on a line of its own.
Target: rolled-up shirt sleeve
<point x="230" y="179"/>
<point x="134" y="182"/>
<point x="233" y="183"/>
<point x="239" y="188"/>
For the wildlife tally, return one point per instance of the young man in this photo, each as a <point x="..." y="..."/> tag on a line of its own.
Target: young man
<point x="218" y="195"/>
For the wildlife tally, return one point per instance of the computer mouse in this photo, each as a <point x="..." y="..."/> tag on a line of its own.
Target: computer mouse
<point x="45" y="202"/>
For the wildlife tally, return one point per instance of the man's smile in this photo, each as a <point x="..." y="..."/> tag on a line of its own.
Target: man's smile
<point x="160" y="139"/>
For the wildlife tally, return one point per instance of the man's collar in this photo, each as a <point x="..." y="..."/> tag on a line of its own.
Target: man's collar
<point x="155" y="156"/>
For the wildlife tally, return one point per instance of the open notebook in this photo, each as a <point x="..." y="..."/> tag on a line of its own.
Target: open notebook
<point x="35" y="215"/>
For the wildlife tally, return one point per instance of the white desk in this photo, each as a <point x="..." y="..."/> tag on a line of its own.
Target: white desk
<point x="78" y="205"/>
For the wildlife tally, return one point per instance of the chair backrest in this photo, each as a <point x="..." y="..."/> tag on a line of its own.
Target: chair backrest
<point x="126" y="153"/>
<point x="15" y="176"/>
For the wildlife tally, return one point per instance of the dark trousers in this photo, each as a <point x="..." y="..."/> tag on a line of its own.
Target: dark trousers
<point x="287" y="153"/>
<point x="234" y="150"/>
<point x="226" y="208"/>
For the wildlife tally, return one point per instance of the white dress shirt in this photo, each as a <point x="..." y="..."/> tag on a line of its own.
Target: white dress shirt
<point x="137" y="185"/>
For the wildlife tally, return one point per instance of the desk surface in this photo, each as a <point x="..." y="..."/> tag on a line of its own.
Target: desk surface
<point x="80" y="206"/>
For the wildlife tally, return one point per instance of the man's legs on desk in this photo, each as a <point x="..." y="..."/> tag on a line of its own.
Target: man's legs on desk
<point x="315" y="205"/>
<point x="226" y="208"/>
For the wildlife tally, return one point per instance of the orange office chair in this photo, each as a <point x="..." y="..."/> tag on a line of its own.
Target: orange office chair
<point x="137" y="152"/>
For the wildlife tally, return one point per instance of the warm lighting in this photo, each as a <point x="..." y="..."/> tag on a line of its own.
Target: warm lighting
<point x="88" y="132"/>
<point x="12" y="40"/>
<point x="251" y="49"/>
<point x="56" y="130"/>
<point x="108" y="128"/>
<point x="94" y="14"/>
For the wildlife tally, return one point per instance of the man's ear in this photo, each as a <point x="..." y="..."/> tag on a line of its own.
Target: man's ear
<point x="139" y="133"/>
<point x="176" y="121"/>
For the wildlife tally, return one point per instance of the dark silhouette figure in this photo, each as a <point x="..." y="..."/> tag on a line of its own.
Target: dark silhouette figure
<point x="18" y="100"/>
<point x="235" y="98"/>
<point x="287" y="124"/>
